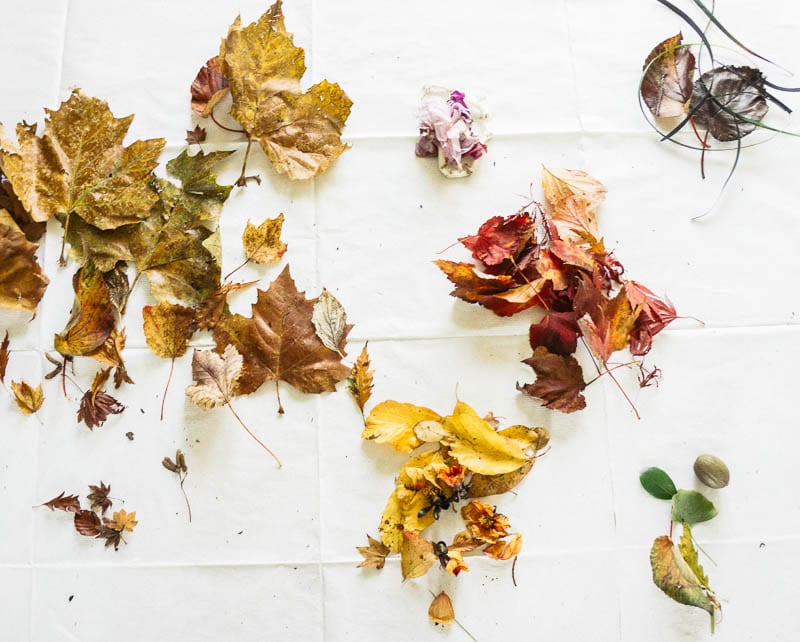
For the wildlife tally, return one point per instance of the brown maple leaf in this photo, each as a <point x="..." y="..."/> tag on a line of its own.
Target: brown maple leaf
<point x="122" y="521"/>
<point x="279" y="342"/>
<point x="559" y="381"/>
<point x="374" y="555"/>
<point x="96" y="404"/>
<point x="98" y="496"/>
<point x="22" y="282"/>
<point x="299" y="131"/>
<point x="195" y="136"/>
<point x="68" y="503"/>
<point x="668" y="78"/>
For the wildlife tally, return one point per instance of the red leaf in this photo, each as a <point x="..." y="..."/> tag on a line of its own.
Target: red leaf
<point x="500" y="238"/>
<point x="87" y="523"/>
<point x="69" y="504"/>
<point x="559" y="381"/>
<point x="558" y="332"/>
<point x="656" y="314"/>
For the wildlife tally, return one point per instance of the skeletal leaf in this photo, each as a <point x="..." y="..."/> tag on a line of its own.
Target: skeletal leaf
<point x="374" y="555"/>
<point x="28" y="398"/>
<point x="215" y="377"/>
<point x="79" y="166"/>
<point x="22" y="282"/>
<point x="263" y="244"/>
<point x="393" y="422"/>
<point x="299" y="131"/>
<point x="67" y="503"/>
<point x="667" y="82"/>
<point x="416" y="555"/>
<point x="359" y="383"/>
<point x="330" y="320"/>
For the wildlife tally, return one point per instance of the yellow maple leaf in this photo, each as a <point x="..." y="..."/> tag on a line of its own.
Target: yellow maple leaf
<point x="28" y="398"/>
<point x="123" y="521"/>
<point x="299" y="131"/>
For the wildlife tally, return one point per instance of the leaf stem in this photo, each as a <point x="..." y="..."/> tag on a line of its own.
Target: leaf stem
<point x="249" y="432"/>
<point x="130" y="290"/>
<point x="242" y="180"/>
<point x="62" y="261"/>
<point x="616" y="367"/>
<point x="235" y="270"/>
<point x="227" y="129"/>
<point x="183" y="479"/>
<point x="622" y="390"/>
<point x="278" y="395"/>
<point x="513" y="571"/>
<point x="164" y="398"/>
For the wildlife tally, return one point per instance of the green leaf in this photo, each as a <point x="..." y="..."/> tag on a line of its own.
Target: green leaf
<point x="691" y="507"/>
<point x="656" y="482"/>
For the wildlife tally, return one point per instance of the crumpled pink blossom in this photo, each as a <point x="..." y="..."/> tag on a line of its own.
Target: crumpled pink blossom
<point x="449" y="131"/>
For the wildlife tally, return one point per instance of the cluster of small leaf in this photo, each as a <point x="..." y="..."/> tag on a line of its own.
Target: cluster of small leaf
<point x="261" y="68"/>
<point x="675" y="565"/>
<point x="554" y="259"/>
<point x="472" y="460"/>
<point x="28" y="398"/>
<point x="92" y="522"/>
<point x="727" y="102"/>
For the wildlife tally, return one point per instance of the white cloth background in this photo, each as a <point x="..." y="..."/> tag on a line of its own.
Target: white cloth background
<point x="270" y="554"/>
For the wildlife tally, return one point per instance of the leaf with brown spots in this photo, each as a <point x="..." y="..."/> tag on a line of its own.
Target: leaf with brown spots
<point x="359" y="383"/>
<point x="416" y="555"/>
<point x="28" y="398"/>
<point x="263" y="244"/>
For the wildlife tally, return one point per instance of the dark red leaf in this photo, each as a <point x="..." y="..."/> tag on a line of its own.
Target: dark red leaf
<point x="559" y="381"/>
<point x="69" y="504"/>
<point x="87" y="523"/>
<point x="500" y="238"/>
<point x="94" y="410"/>
<point x="656" y="314"/>
<point x="558" y="332"/>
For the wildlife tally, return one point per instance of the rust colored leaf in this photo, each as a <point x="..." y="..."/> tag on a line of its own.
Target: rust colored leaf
<point x="299" y="131"/>
<point x="87" y="523"/>
<point x="668" y="79"/>
<point x="67" y="503"/>
<point x="655" y="315"/>
<point x="500" y="238"/>
<point x="208" y="87"/>
<point x="195" y="136"/>
<point x="98" y="496"/>
<point x="22" y="282"/>
<point x="559" y="381"/>
<point x="209" y="313"/>
<point x="279" y="341"/>
<point x="263" y="244"/>
<point x="558" y="332"/>
<point x="96" y="404"/>
<point x="605" y="323"/>
<point x="505" y="549"/>
<point x="28" y="398"/>
<point x="359" y="383"/>
<point x="374" y="555"/>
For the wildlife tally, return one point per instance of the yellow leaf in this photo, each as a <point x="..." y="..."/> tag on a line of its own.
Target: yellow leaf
<point x="167" y="328"/>
<point x="505" y="550"/>
<point x="359" y="383"/>
<point x="688" y="552"/>
<point x="92" y="320"/>
<point x="416" y="555"/>
<point x="393" y="422"/>
<point x="28" y="399"/>
<point x="299" y="131"/>
<point x="123" y="521"/>
<point x="374" y="555"/>
<point x="476" y="445"/>
<point x="441" y="610"/>
<point x="263" y="244"/>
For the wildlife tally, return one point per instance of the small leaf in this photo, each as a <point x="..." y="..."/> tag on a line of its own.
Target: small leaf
<point x="658" y="483"/>
<point x="691" y="507"/>
<point x="359" y="383"/>
<point x="374" y="555"/>
<point x="195" y="136"/>
<point x="96" y="404"/>
<point x="416" y="555"/>
<point x="208" y="88"/>
<point x="69" y="504"/>
<point x="167" y="328"/>
<point x="505" y="550"/>
<point x="98" y="496"/>
<point x="215" y="377"/>
<point x="28" y="399"/>
<point x="123" y="521"/>
<point x="4" y="358"/>
<point x="263" y="244"/>
<point x="330" y="320"/>
<point x="87" y="523"/>
<point x="441" y="610"/>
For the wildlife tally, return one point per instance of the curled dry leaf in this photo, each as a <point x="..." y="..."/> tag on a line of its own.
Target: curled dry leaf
<point x="263" y="244"/>
<point x="92" y="320"/>
<point x="393" y="422"/>
<point x="4" y="357"/>
<point x="208" y="87"/>
<point x="28" y="398"/>
<point x="96" y="405"/>
<point x="668" y="78"/>
<point x="484" y="523"/>
<point x="299" y="131"/>
<point x="215" y="377"/>
<point x="606" y="324"/>
<point x="485" y="485"/>
<point x="374" y="555"/>
<point x="68" y="503"/>
<point x="22" y="282"/>
<point x="441" y="610"/>
<point x="88" y="523"/>
<point x="359" y="383"/>
<point x="505" y="549"/>
<point x="98" y="496"/>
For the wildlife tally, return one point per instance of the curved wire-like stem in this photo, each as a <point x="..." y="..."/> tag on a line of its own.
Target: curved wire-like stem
<point x="164" y="398"/>
<point x="250" y="432"/>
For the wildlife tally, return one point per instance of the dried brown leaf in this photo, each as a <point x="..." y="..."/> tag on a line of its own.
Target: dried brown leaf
<point x="68" y="503"/>
<point x="215" y="377"/>
<point x="374" y="555"/>
<point x="98" y="496"/>
<point x="28" y="398"/>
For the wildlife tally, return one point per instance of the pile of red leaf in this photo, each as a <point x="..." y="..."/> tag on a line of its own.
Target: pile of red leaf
<point x="552" y="258"/>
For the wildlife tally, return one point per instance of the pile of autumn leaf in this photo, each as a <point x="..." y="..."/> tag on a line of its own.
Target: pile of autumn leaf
<point x="552" y="258"/>
<point x="92" y="522"/>
<point x="471" y="460"/>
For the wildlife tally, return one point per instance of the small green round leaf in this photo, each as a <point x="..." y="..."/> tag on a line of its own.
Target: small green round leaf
<point x="691" y="507"/>
<point x="656" y="482"/>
